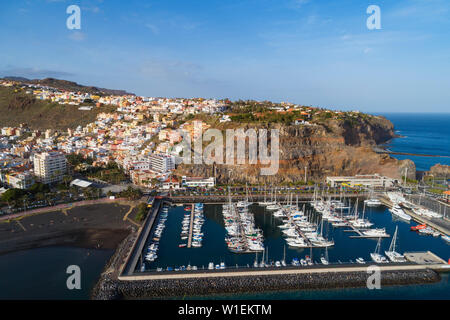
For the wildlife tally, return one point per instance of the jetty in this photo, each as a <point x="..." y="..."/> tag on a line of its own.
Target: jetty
<point x="440" y="225"/>
<point x="191" y="225"/>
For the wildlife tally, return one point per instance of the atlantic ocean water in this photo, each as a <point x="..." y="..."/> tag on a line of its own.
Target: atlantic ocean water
<point x="421" y="133"/>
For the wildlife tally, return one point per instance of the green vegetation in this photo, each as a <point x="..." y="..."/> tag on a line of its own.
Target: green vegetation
<point x="410" y="181"/>
<point x="76" y="159"/>
<point x="17" y="197"/>
<point x="17" y="107"/>
<point x="142" y="212"/>
<point x="111" y="173"/>
<point x="131" y="194"/>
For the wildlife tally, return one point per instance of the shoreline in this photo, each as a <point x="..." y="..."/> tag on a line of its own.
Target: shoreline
<point x="94" y="226"/>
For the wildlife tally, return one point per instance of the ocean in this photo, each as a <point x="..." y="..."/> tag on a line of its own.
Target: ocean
<point x="421" y="134"/>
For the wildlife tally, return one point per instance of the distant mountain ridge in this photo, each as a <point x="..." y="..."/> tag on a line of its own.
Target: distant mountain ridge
<point x="68" y="86"/>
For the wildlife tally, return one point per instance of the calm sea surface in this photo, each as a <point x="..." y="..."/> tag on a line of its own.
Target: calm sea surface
<point x="422" y="134"/>
<point x="41" y="273"/>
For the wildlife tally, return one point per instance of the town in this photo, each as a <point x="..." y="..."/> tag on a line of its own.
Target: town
<point x="136" y="145"/>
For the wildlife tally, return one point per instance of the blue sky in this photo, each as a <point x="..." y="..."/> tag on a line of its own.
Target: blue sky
<point x="312" y="52"/>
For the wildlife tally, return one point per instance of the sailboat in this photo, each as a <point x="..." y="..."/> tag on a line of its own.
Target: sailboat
<point x="376" y="256"/>
<point x="360" y="222"/>
<point x="262" y="263"/>
<point x="324" y="259"/>
<point x="283" y="262"/>
<point x="265" y="202"/>
<point x="372" y="201"/>
<point x="393" y="255"/>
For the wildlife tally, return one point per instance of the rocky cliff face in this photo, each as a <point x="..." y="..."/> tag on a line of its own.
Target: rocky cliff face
<point x="440" y="170"/>
<point x="328" y="149"/>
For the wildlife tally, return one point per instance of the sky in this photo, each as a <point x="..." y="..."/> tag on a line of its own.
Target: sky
<point x="310" y="52"/>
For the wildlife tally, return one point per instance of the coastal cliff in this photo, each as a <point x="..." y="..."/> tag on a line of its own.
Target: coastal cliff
<point x="326" y="148"/>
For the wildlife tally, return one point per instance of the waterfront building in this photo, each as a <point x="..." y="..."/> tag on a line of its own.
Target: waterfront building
<point x="171" y="183"/>
<point x="192" y="182"/>
<point x="49" y="167"/>
<point x="374" y="180"/>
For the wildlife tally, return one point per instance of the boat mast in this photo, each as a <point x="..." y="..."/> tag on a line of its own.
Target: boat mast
<point x="394" y="240"/>
<point x="364" y="210"/>
<point x="377" y="248"/>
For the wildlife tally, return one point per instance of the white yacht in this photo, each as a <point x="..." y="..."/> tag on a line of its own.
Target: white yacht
<point x="396" y="210"/>
<point x="297" y="242"/>
<point x="375" y="233"/>
<point x="374" y="202"/>
<point x="360" y="260"/>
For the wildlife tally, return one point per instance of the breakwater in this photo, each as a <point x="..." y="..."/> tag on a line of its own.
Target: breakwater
<point x="109" y="288"/>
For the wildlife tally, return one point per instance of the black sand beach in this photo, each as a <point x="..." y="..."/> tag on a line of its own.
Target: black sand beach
<point x="91" y="226"/>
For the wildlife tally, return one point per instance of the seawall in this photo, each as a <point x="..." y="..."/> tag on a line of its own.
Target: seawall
<point x="178" y="287"/>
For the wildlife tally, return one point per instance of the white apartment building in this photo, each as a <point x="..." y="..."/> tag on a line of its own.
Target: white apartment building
<point x="22" y="180"/>
<point x="49" y="167"/>
<point x="162" y="163"/>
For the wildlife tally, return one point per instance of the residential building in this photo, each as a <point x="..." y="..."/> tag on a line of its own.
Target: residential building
<point x="50" y="167"/>
<point x="162" y="163"/>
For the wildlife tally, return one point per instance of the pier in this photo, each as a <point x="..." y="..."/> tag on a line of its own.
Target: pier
<point x="360" y="234"/>
<point x="440" y="225"/>
<point x="315" y="269"/>
<point x="138" y="247"/>
<point x="191" y="225"/>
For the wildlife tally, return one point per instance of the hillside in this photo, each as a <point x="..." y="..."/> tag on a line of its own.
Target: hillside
<point x="69" y="86"/>
<point x="18" y="107"/>
<point x="329" y="147"/>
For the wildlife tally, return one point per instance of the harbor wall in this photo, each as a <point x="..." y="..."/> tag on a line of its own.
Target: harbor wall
<point x="109" y="288"/>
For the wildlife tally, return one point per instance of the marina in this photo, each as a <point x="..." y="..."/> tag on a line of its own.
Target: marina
<point x="273" y="236"/>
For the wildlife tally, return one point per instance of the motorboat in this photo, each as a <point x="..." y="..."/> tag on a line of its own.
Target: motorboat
<point x="398" y="211"/>
<point x="375" y="233"/>
<point x="373" y="202"/>
<point x="360" y="260"/>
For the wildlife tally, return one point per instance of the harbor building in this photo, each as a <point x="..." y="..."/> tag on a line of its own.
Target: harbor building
<point x="374" y="181"/>
<point x="192" y="182"/>
<point x="49" y="167"/>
